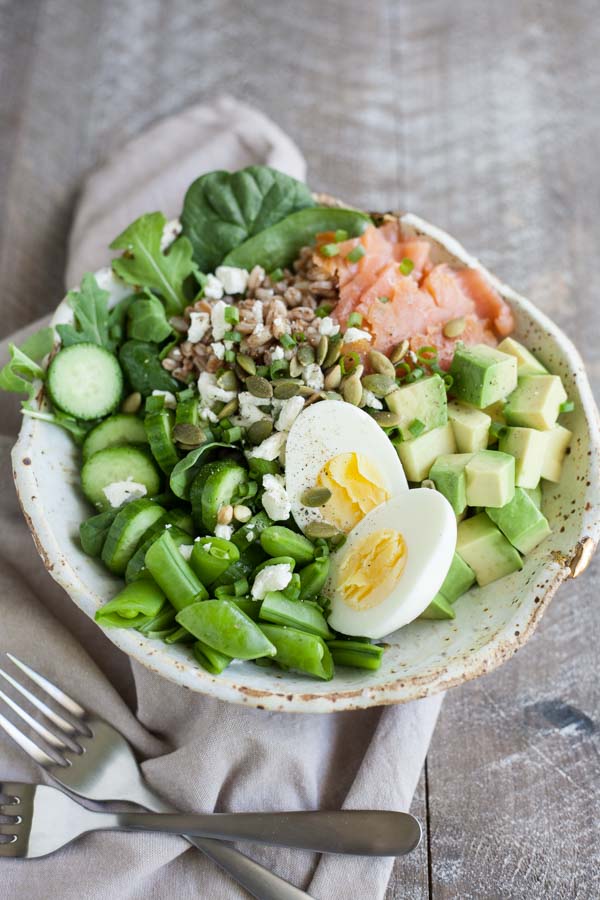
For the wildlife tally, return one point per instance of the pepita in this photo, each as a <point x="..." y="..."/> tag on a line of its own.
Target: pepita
<point x="225" y="514"/>
<point x="316" y="530"/>
<point x="186" y="433"/>
<point x="352" y="390"/>
<point x="313" y="398"/>
<point x="259" y="431"/>
<point x="399" y="352"/>
<point x="295" y="367"/>
<point x="132" y="403"/>
<point x="305" y="391"/>
<point x="315" y="496"/>
<point x="305" y="355"/>
<point x="228" y="381"/>
<point x="242" y="513"/>
<point x="428" y="483"/>
<point x="246" y="363"/>
<point x="322" y="348"/>
<point x="229" y="409"/>
<point x="333" y="351"/>
<point x="333" y="378"/>
<point x="332" y="395"/>
<point x="380" y="385"/>
<point x="455" y="327"/>
<point x="286" y="388"/>
<point x="381" y="364"/>
<point x="259" y="387"/>
<point x="386" y="419"/>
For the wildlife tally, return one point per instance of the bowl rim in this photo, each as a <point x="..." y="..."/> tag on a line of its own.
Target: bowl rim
<point x="396" y="690"/>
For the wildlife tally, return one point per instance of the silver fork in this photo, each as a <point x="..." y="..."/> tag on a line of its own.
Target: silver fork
<point x="43" y="819"/>
<point x="94" y="761"/>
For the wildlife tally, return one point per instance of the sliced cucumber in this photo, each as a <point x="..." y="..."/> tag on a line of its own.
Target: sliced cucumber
<point x="92" y="532"/>
<point x="159" y="428"/>
<point x="197" y="486"/>
<point x="218" y="491"/>
<point x="127" y="531"/>
<point x="114" y="432"/>
<point x="114" y="465"/>
<point x="85" y="381"/>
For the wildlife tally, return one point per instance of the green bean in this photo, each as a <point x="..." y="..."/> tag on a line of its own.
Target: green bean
<point x="226" y="628"/>
<point x="137" y="564"/>
<point x="300" y="651"/>
<point x="313" y="577"/>
<point x="357" y="654"/>
<point x="249" y="559"/>
<point x="292" y="591"/>
<point x="238" y="588"/>
<point x="173" y="574"/>
<point x="277" y="540"/>
<point x="211" y="557"/>
<point x="136" y="604"/>
<point x="276" y="608"/>
<point x="211" y="660"/>
<point x="161" y="625"/>
<point x="179" y="636"/>
<point x="248" y="533"/>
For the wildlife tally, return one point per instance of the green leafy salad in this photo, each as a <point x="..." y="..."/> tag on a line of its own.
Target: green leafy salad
<point x="252" y="408"/>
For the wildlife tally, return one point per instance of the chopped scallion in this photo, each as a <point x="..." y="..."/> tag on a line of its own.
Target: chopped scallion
<point x="323" y="310"/>
<point x="234" y="336"/>
<point x="427" y="354"/>
<point x="354" y="320"/>
<point x="230" y="356"/>
<point x="287" y="341"/>
<point x="384" y="299"/>
<point x="406" y="266"/>
<point x="341" y="235"/>
<point x="279" y="367"/>
<point x="276" y="275"/>
<point x="232" y="435"/>
<point x="349" y="362"/>
<point x="416" y="427"/>
<point x="232" y="314"/>
<point x="356" y="253"/>
<point x="566" y="407"/>
<point x="329" y="250"/>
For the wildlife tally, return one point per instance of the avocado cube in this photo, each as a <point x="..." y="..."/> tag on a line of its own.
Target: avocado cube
<point x="459" y="579"/>
<point x="423" y="402"/>
<point x="527" y="364"/>
<point x="439" y="608"/>
<point x="448" y="475"/>
<point x="490" y="478"/>
<point x="471" y="427"/>
<point x="418" y="456"/>
<point x="535" y="494"/>
<point x="521" y="522"/>
<point x="482" y="375"/>
<point x="528" y="446"/>
<point x="485" y="549"/>
<point x="557" y="442"/>
<point x="536" y="402"/>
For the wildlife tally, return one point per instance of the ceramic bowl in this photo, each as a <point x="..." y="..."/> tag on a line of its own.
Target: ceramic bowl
<point x="422" y="658"/>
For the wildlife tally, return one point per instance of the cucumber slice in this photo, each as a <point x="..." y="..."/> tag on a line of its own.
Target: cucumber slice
<point x="114" y="432"/>
<point x="219" y="489"/>
<point x="92" y="532"/>
<point x="114" y="465"/>
<point x="127" y="531"/>
<point x="159" y="428"/>
<point x="85" y="381"/>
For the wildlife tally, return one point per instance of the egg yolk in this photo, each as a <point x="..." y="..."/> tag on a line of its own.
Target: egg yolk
<point x="356" y="486"/>
<point x="371" y="569"/>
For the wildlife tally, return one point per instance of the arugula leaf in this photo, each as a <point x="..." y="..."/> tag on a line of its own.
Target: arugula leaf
<point x="148" y="320"/>
<point x="78" y="430"/>
<point x="147" y="265"/>
<point x="90" y="312"/>
<point x="19" y="374"/>
<point x="223" y="209"/>
<point x="142" y="367"/>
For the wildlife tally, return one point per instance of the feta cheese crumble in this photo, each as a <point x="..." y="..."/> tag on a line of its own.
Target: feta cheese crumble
<point x="199" y="324"/>
<point x="249" y="409"/>
<point x="213" y="289"/>
<point x="224" y="531"/>
<point x="369" y="399"/>
<point x="218" y="348"/>
<point x="328" y="327"/>
<point x="275" y="500"/>
<point x="277" y="353"/>
<point x="210" y="391"/>
<point x="186" y="550"/>
<point x="170" y="399"/>
<point x="124" y="492"/>
<point x="290" y="410"/>
<point x="313" y="377"/>
<point x="271" y="578"/>
<point x="270" y="448"/>
<point x="234" y="280"/>
<point x="171" y="230"/>
<point x="356" y="334"/>
<point x="217" y="320"/>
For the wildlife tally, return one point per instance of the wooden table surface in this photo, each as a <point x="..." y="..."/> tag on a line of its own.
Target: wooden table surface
<point x="482" y="117"/>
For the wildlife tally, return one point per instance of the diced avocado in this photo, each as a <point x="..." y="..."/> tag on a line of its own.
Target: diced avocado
<point x="483" y="547"/>
<point x="471" y="427"/>
<point x="448" y="475"/>
<point x="459" y="579"/>
<point x="536" y="402"/>
<point x="535" y="494"/>
<point x="490" y="478"/>
<point x="422" y="404"/>
<point x="418" y="456"/>
<point x="557" y="441"/>
<point x="521" y="522"/>
<point x="527" y="364"/>
<point x="528" y="446"/>
<point x="439" y="608"/>
<point x="482" y="375"/>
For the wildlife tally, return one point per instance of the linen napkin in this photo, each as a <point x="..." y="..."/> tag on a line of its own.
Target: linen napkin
<point x="201" y="753"/>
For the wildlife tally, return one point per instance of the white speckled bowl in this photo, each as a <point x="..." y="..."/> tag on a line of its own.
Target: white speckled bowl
<point x="424" y="657"/>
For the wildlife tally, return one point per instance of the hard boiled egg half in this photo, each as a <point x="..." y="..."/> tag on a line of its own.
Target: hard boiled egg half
<point x="392" y="564"/>
<point x="338" y="446"/>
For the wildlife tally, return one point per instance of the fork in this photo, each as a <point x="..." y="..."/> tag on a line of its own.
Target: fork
<point x="44" y="819"/>
<point x="92" y="760"/>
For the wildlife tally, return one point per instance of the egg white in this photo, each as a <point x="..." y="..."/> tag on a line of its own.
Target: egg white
<point x="325" y="430"/>
<point x="428" y="525"/>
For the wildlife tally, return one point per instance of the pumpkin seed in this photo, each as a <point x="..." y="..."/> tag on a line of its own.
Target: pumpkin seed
<point x="352" y="390"/>
<point x="132" y="403"/>
<point x="454" y="327"/>
<point x="315" y="496"/>
<point x="428" y="483"/>
<point x="380" y="385"/>
<point x="305" y="355"/>
<point x="331" y="395"/>
<point x="259" y="387"/>
<point x="228" y="381"/>
<point x="186" y="433"/>
<point x="246" y="363"/>
<point x="225" y="514"/>
<point x="399" y="352"/>
<point x="322" y="348"/>
<point x="316" y="530"/>
<point x="333" y="378"/>
<point x="306" y="391"/>
<point x="242" y="513"/>
<point x="286" y="388"/>
<point x="259" y="431"/>
<point x="229" y="409"/>
<point x="313" y="398"/>
<point x="381" y="364"/>
<point x="386" y="419"/>
<point x="333" y="352"/>
<point x="295" y="367"/>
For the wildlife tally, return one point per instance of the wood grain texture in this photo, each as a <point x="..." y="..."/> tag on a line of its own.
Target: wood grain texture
<point x="481" y="117"/>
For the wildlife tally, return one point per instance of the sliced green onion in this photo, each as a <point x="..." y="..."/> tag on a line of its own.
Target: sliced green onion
<point x="349" y="362"/>
<point x="357" y="253"/>
<point x="384" y="299"/>
<point x="566" y="407"/>
<point x="287" y="341"/>
<point x="497" y="429"/>
<point x="427" y="354"/>
<point x="448" y="380"/>
<point x="231" y="314"/>
<point x="278" y="368"/>
<point x="234" y="336"/>
<point x="230" y="356"/>
<point x="402" y="370"/>
<point x="232" y="435"/>
<point x="299" y="336"/>
<point x="226" y="423"/>
<point x="416" y="373"/>
<point x="276" y="275"/>
<point x="416" y="427"/>
<point x="354" y="320"/>
<point x="263" y="371"/>
<point x="323" y="310"/>
<point x="341" y="235"/>
<point x="406" y="266"/>
<point x="329" y="250"/>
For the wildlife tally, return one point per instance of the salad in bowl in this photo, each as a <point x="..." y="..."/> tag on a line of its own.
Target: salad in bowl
<point x="310" y="441"/>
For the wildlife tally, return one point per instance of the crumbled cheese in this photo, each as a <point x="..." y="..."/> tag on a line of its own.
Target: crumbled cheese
<point x="249" y="408"/>
<point x="218" y="348"/>
<point x="313" y="377"/>
<point x="213" y="289"/>
<point x="259" y="329"/>
<point x="270" y="447"/>
<point x="210" y="391"/>
<point x="228" y="345"/>
<point x="275" y="500"/>
<point x="281" y="324"/>
<point x="328" y="327"/>
<point x="171" y="230"/>
<point x="257" y="311"/>
<point x="250" y="535"/>
<point x="271" y="578"/>
<point x="234" y="280"/>
<point x="170" y="399"/>
<point x="356" y="334"/>
<point x="224" y="531"/>
<point x="217" y="320"/>
<point x="124" y="491"/>
<point x="199" y="325"/>
<point x="186" y="550"/>
<point x="369" y="399"/>
<point x="290" y="410"/>
<point x="277" y="353"/>
<point x="208" y="415"/>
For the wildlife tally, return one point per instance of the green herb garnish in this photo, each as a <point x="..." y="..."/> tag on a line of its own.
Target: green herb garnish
<point x="341" y="235"/>
<point x="349" y="362"/>
<point x="566" y="407"/>
<point x="354" y="320"/>
<point x="406" y="266"/>
<point x="323" y="310"/>
<point x="231" y="314"/>
<point x="329" y="250"/>
<point x="356" y="253"/>
<point x="287" y="341"/>
<point x="384" y="299"/>
<point x="416" y="427"/>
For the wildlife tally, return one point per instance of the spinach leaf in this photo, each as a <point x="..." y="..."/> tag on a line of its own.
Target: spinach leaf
<point x="223" y="209"/>
<point x="92" y="532"/>
<point x="187" y="468"/>
<point x="117" y="318"/>
<point x="148" y="320"/>
<point x="19" y="374"/>
<point x="148" y="266"/>
<point x="90" y="312"/>
<point x="143" y="369"/>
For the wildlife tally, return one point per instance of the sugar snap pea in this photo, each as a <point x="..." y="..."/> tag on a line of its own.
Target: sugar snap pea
<point x="136" y="604"/>
<point x="159" y="431"/>
<point x="127" y="531"/>
<point x="276" y="608"/>
<point x="275" y="561"/>
<point x="173" y="574"/>
<point x="313" y="577"/>
<point x="277" y="540"/>
<point x="292" y="591"/>
<point x="249" y="559"/>
<point x="137" y="564"/>
<point x="92" y="532"/>
<point x="358" y="654"/>
<point x="300" y="651"/>
<point x="251" y="531"/>
<point x="211" y="557"/>
<point x="226" y="628"/>
<point x="211" y="660"/>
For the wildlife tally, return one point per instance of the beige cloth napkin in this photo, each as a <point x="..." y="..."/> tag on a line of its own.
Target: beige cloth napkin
<point x="201" y="753"/>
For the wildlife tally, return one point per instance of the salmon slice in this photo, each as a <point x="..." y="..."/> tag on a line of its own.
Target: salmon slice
<point x="476" y="331"/>
<point x="488" y="302"/>
<point x="446" y="289"/>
